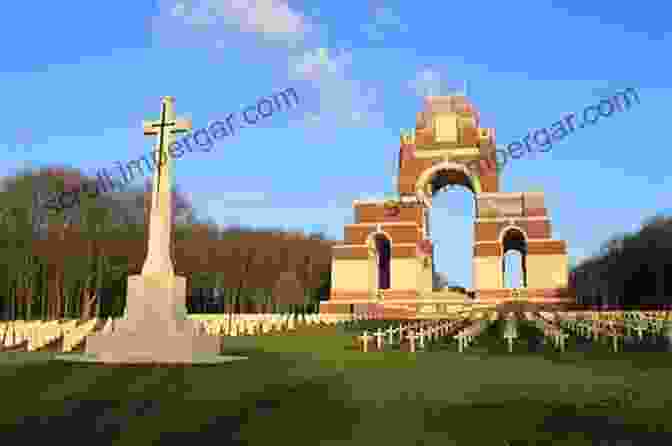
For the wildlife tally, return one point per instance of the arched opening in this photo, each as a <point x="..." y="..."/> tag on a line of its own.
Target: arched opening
<point x="383" y="257"/>
<point x="449" y="173"/>
<point x="450" y="224"/>
<point x="514" y="247"/>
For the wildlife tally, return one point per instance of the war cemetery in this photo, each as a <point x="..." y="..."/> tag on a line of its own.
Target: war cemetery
<point x="111" y="334"/>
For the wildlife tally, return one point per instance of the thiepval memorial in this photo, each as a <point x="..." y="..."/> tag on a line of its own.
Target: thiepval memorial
<point x="386" y="258"/>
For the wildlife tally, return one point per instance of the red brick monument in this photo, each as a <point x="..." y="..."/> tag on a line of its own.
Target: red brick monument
<point x="385" y="260"/>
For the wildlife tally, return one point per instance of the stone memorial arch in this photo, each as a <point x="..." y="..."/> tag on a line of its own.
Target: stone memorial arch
<point x="386" y="257"/>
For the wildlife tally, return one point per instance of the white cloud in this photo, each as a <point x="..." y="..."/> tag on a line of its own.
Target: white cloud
<point x="241" y="196"/>
<point x="179" y="10"/>
<point x="24" y="138"/>
<point x="339" y="100"/>
<point x="427" y="82"/>
<point x="430" y="82"/>
<point x="385" y="21"/>
<point x="342" y="101"/>
<point x="373" y="32"/>
<point x="272" y="19"/>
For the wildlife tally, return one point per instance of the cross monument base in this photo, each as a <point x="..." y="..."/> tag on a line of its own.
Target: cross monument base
<point x="156" y="329"/>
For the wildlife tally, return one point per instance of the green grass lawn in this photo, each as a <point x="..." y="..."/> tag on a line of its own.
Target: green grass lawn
<point x="312" y="388"/>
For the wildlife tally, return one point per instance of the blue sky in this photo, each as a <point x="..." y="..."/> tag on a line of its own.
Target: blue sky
<point x="80" y="79"/>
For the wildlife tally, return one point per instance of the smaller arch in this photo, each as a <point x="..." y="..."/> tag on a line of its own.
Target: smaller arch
<point x="380" y="252"/>
<point x="514" y="238"/>
<point x="371" y="238"/>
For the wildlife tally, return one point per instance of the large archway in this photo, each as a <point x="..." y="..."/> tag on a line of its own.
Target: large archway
<point x="514" y="257"/>
<point x="441" y="175"/>
<point x="448" y="191"/>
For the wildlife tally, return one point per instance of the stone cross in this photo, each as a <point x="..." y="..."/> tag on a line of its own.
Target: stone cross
<point x="158" y="128"/>
<point x="158" y="261"/>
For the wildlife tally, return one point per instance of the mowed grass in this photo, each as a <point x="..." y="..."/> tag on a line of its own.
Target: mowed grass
<point x="313" y="388"/>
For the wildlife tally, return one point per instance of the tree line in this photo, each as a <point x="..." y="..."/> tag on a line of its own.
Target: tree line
<point x="75" y="263"/>
<point x="631" y="270"/>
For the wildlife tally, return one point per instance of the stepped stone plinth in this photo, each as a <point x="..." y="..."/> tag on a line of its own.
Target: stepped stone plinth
<point x="154" y="331"/>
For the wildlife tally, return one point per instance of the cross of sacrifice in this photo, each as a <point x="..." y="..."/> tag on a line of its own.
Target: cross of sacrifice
<point x="158" y="128"/>
<point x="365" y="341"/>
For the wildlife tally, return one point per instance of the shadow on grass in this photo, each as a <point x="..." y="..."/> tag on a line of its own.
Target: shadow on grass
<point x="285" y="395"/>
<point x="529" y="422"/>
<point x="318" y="405"/>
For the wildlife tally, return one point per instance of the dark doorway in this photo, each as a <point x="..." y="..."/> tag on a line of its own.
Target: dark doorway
<point x="384" y="254"/>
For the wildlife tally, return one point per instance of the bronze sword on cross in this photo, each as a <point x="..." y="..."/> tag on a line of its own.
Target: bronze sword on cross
<point x="167" y="120"/>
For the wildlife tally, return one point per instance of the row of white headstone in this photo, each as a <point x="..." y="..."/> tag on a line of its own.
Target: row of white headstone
<point x="260" y="324"/>
<point x="38" y="334"/>
<point x="274" y="323"/>
<point x="298" y="318"/>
